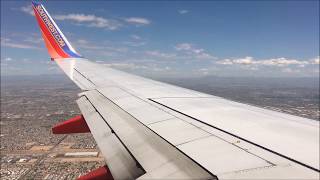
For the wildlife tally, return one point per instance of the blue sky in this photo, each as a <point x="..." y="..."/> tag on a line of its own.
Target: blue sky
<point x="232" y="38"/>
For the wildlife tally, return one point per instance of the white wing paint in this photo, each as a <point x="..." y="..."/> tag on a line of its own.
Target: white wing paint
<point x="152" y="130"/>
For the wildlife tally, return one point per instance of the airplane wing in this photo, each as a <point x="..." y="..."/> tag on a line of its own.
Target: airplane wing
<point x="152" y="130"/>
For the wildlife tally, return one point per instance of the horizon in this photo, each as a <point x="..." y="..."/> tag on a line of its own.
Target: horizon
<point x="289" y="94"/>
<point x="292" y="82"/>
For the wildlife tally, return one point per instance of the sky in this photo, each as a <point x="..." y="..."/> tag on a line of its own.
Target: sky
<point x="170" y="38"/>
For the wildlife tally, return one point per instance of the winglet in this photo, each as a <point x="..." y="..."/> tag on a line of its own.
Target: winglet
<point x="56" y="43"/>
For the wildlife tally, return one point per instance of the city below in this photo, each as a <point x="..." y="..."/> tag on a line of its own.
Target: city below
<point x="31" y="105"/>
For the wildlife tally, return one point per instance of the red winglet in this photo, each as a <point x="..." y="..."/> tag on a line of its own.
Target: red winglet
<point x="102" y="173"/>
<point x="76" y="124"/>
<point x="57" y="44"/>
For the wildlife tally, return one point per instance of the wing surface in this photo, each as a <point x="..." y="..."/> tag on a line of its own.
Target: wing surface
<point x="149" y="129"/>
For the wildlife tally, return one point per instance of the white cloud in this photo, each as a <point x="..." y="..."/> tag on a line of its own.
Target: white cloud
<point x="82" y="43"/>
<point x="183" y="46"/>
<point x="90" y="21"/>
<point x="267" y="62"/>
<point x="5" y="42"/>
<point x="101" y="49"/>
<point x="204" y="55"/>
<point x="137" y="20"/>
<point x="161" y="69"/>
<point x="183" y="11"/>
<point x="136" y="37"/>
<point x="245" y="61"/>
<point x="20" y="46"/>
<point x="315" y="60"/>
<point x="160" y="54"/>
<point x="27" y="9"/>
<point x="8" y="59"/>
<point x="225" y="62"/>
<point x="281" y="62"/>
<point x="191" y="50"/>
<point x="125" y="66"/>
<point x="134" y="44"/>
<point x="33" y="39"/>
<point x="135" y="41"/>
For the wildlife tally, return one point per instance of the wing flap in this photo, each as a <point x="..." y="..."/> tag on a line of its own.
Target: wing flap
<point x="119" y="160"/>
<point x="150" y="150"/>
<point x="187" y="137"/>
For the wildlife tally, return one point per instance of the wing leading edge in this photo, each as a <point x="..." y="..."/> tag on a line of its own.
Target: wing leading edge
<point x="148" y="129"/>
